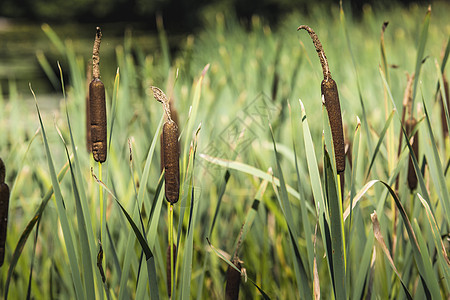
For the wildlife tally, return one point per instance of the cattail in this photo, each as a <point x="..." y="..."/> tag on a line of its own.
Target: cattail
<point x="97" y="107"/>
<point x="233" y="281"/>
<point x="170" y="149"/>
<point x="412" y="178"/>
<point x="171" y="161"/>
<point x="4" y="203"/>
<point x="330" y="97"/>
<point x="169" y="266"/>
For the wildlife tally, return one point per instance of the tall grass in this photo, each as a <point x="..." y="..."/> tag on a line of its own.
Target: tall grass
<point x="259" y="189"/>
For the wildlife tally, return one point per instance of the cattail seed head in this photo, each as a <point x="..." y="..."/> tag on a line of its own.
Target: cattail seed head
<point x="169" y="266"/>
<point x="97" y="111"/>
<point x="412" y="178"/>
<point x="233" y="281"/>
<point x="331" y="96"/>
<point x="171" y="160"/>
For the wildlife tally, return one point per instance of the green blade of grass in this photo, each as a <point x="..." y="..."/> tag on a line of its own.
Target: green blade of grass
<point x="245" y="168"/>
<point x="419" y="175"/>
<point x="337" y="231"/>
<point x="29" y="228"/>
<point x="436" y="169"/>
<point x="313" y="169"/>
<point x="84" y="241"/>
<point x="316" y="185"/>
<point x="424" y="266"/>
<point x="32" y="259"/>
<point x="45" y="65"/>
<point x="303" y="210"/>
<point x="358" y="84"/>
<point x="380" y="240"/>
<point x="283" y="199"/>
<point x="130" y="242"/>
<point x="81" y="198"/>
<point x="193" y="116"/>
<point x="443" y="259"/>
<point x="54" y="38"/>
<point x="73" y="261"/>
<point x="420" y="52"/>
<point x="142" y="241"/>
<point x="380" y="141"/>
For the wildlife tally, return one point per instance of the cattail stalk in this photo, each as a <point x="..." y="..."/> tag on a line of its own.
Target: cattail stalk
<point x="4" y="205"/>
<point x="330" y="98"/>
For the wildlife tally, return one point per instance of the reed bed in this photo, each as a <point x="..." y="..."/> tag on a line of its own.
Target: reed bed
<point x="257" y="204"/>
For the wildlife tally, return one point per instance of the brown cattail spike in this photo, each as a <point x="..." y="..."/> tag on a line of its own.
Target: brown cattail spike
<point x="169" y="266"/>
<point x="4" y="204"/>
<point x="97" y="106"/>
<point x="233" y="281"/>
<point x="170" y="150"/>
<point x="98" y="119"/>
<point x="171" y="161"/>
<point x="412" y="178"/>
<point x="331" y="99"/>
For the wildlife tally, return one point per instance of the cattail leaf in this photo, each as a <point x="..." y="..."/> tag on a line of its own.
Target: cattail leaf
<point x="420" y="178"/>
<point x="316" y="183"/>
<point x="84" y="241"/>
<point x="54" y="38"/>
<point x="424" y="266"/>
<point x="355" y="151"/>
<point x="82" y="205"/>
<point x="443" y="259"/>
<point x="436" y="168"/>
<point x="190" y="200"/>
<point x="73" y="261"/>
<point x="245" y="168"/>
<point x="29" y="228"/>
<point x="283" y="199"/>
<point x="379" y="143"/>
<point x="337" y="231"/>
<point x="193" y="114"/>
<point x="380" y="239"/>
<point x="45" y="65"/>
<point x="358" y="84"/>
<point x="113" y="114"/>
<point x="142" y="241"/>
<point x="420" y="53"/>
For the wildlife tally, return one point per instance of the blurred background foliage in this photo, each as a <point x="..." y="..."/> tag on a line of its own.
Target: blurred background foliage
<point x="180" y="15"/>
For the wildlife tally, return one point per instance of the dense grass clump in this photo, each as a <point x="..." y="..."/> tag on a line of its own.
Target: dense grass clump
<point x="256" y="200"/>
